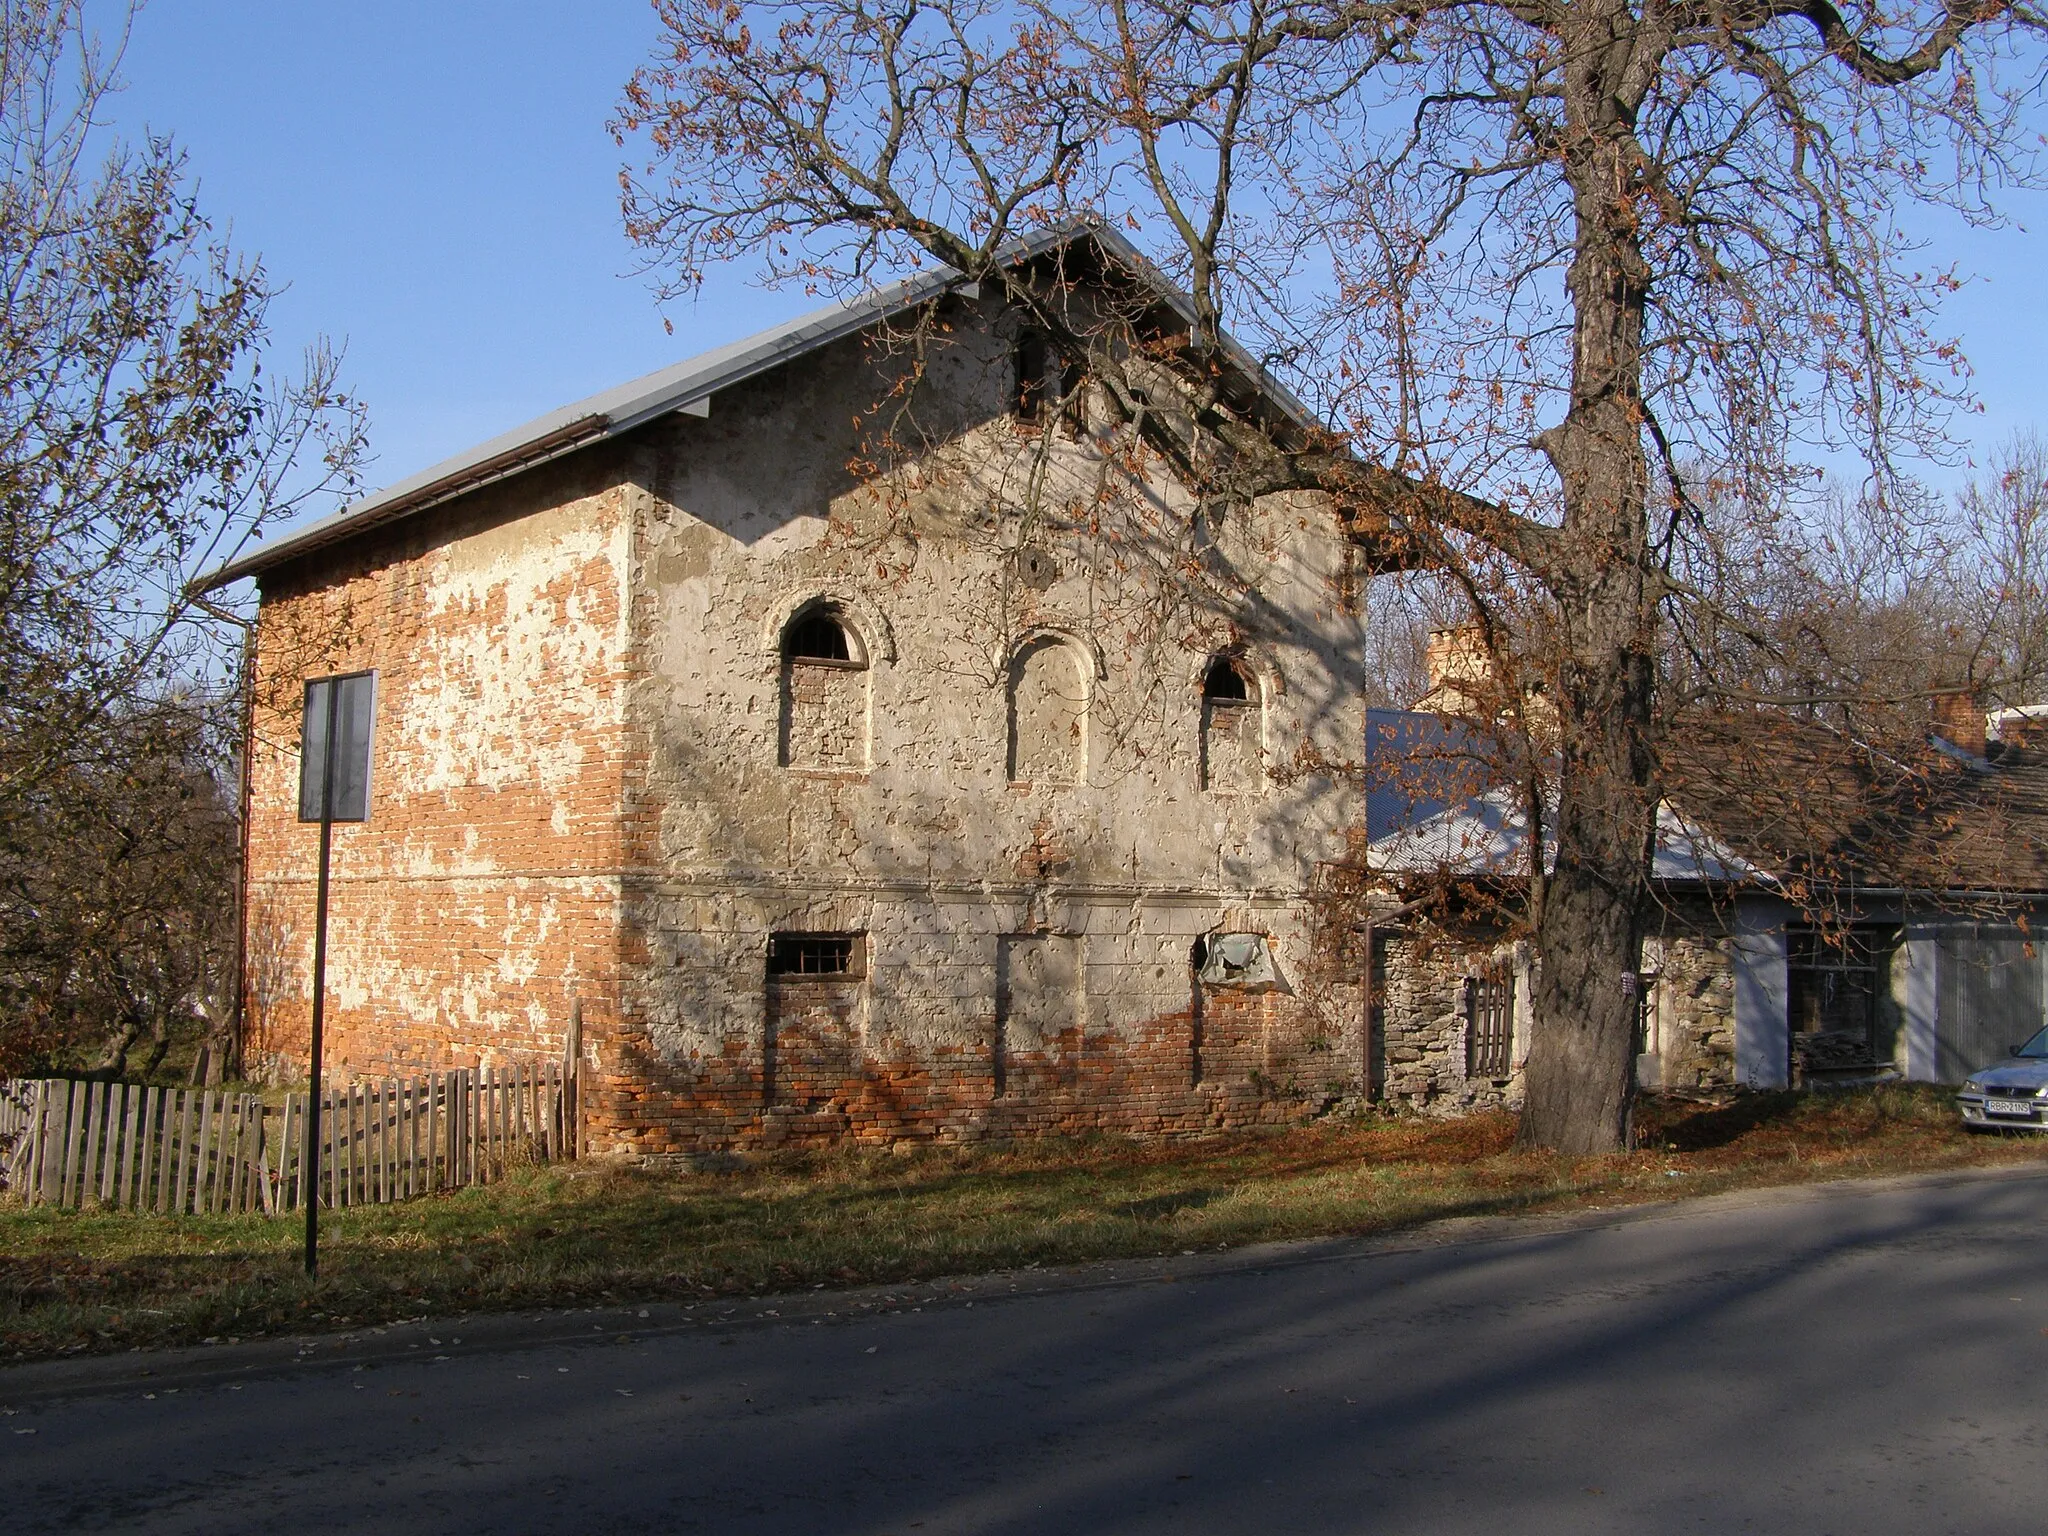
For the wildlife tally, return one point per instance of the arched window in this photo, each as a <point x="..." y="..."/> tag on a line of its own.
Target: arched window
<point x="1232" y="727"/>
<point x="1048" y="713"/>
<point x="817" y="635"/>
<point x="825" y="695"/>
<point x="1225" y="682"/>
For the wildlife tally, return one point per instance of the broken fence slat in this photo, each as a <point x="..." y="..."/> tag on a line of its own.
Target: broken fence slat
<point x="120" y="1148"/>
<point x="289" y="1193"/>
<point x="74" y="1146"/>
<point x="80" y="1141"/>
<point x="147" y="1196"/>
<point x="165" y="1146"/>
<point x="131" y="1149"/>
<point x="265" y="1191"/>
<point x="95" y="1130"/>
<point x="206" y="1165"/>
<point x="50" y="1155"/>
<point x="433" y="1128"/>
<point x="39" y="1145"/>
<point x="220" y="1197"/>
<point x="235" y="1118"/>
<point x="181" y="1176"/>
<point x="60" y="1179"/>
<point x="51" y="1162"/>
<point x="110" y="1157"/>
<point x="202" y="1189"/>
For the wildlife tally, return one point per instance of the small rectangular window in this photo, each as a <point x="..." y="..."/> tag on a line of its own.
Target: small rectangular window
<point x="814" y="954"/>
<point x="1032" y="360"/>
<point x="1490" y="1020"/>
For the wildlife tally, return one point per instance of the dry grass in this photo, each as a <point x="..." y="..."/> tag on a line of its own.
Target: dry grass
<point x="79" y="1281"/>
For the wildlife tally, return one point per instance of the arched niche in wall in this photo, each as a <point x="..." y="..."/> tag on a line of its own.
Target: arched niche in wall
<point x="826" y="690"/>
<point x="1233" y="725"/>
<point x="1050" y="681"/>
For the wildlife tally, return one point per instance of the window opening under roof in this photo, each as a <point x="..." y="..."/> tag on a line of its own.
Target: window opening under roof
<point x="1031" y="358"/>
<point x="1490" y="1023"/>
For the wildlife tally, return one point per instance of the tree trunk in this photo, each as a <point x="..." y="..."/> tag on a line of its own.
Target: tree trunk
<point x="1581" y="1065"/>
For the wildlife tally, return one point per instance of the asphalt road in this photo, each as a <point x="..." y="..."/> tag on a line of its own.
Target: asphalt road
<point x="1854" y="1358"/>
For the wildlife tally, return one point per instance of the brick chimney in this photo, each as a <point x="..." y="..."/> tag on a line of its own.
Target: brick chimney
<point x="1959" y="719"/>
<point x="1459" y="669"/>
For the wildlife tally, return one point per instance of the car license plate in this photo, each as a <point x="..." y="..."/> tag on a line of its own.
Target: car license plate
<point x="2017" y="1108"/>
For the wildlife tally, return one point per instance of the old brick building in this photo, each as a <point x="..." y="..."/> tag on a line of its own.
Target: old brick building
<point x="856" y="737"/>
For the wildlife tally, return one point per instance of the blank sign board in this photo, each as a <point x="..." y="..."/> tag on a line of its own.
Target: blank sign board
<point x="335" y="757"/>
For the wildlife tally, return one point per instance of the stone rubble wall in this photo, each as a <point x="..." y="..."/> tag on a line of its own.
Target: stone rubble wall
<point x="1422" y="1027"/>
<point x="1693" y="1012"/>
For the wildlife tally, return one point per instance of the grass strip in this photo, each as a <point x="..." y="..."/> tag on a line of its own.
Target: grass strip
<point x="94" y="1280"/>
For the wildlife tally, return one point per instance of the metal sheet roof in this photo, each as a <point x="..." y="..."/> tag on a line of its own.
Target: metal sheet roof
<point x="685" y="384"/>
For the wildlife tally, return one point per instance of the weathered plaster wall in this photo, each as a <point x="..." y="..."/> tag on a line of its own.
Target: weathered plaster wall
<point x="1026" y="837"/>
<point x="598" y="777"/>
<point x="481" y="897"/>
<point x="1756" y="952"/>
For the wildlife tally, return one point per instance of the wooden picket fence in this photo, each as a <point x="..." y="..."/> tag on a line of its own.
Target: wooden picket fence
<point x="175" y="1150"/>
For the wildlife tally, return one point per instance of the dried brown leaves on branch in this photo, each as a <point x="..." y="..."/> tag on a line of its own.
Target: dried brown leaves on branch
<point x="142" y="441"/>
<point x="1558" y="278"/>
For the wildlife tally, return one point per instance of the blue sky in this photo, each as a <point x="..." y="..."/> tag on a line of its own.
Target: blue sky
<point x="433" y="180"/>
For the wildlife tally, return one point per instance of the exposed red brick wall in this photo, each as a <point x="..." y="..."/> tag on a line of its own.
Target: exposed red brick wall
<point x="481" y="898"/>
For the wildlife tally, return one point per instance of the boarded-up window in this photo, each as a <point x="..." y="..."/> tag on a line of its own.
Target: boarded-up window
<point x="1232" y="1031"/>
<point x="810" y="1048"/>
<point x="1048" y="714"/>
<point x="1989" y="997"/>
<point x="1235" y="960"/>
<point x="824" y="694"/>
<point x="1490" y="1023"/>
<point x="1833" y="983"/>
<point x="1038" y="1006"/>
<point x="1230" y="728"/>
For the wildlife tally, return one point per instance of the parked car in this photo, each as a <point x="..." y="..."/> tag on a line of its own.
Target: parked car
<point x="2012" y="1094"/>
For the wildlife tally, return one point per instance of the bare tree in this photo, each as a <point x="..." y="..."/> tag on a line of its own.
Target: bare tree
<point x="117" y="916"/>
<point x="2002" y="568"/>
<point x="1534" y="261"/>
<point x="142" y="441"/>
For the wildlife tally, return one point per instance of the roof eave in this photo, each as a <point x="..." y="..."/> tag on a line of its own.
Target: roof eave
<point x="681" y="386"/>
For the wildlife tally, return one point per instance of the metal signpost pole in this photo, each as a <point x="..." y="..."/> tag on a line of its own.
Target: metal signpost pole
<point x="320" y="985"/>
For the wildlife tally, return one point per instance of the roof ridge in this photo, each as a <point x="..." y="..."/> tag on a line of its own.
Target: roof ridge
<point x="691" y="382"/>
